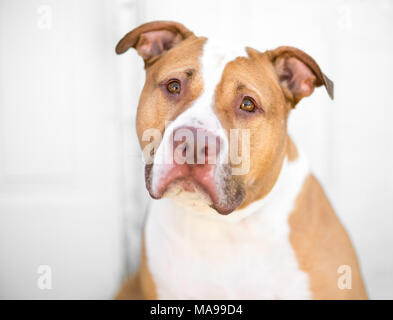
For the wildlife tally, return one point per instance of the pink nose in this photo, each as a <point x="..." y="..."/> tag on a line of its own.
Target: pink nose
<point x="195" y="146"/>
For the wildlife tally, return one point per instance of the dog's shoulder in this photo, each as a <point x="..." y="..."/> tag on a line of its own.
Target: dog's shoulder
<point x="322" y="245"/>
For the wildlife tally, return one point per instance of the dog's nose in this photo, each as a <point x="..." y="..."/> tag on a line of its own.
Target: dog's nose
<point x="195" y="146"/>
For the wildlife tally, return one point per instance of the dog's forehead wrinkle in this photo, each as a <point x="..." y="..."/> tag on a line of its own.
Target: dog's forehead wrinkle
<point x="213" y="61"/>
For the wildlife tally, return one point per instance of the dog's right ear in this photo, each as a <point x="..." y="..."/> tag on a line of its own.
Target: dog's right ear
<point x="153" y="39"/>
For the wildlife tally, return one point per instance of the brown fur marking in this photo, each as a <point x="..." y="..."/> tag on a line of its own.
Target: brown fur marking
<point x="321" y="245"/>
<point x="140" y="285"/>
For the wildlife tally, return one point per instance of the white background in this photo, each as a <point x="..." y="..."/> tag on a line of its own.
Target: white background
<point x="72" y="193"/>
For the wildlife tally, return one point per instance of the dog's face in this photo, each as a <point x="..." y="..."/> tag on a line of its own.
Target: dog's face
<point x="212" y="122"/>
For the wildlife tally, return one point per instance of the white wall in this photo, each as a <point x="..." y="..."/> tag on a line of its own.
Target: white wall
<point x="71" y="179"/>
<point x="61" y="152"/>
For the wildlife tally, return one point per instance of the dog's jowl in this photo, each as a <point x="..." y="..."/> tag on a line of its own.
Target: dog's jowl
<point x="236" y="214"/>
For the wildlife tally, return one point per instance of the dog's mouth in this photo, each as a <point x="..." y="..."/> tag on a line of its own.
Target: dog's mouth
<point x="214" y="184"/>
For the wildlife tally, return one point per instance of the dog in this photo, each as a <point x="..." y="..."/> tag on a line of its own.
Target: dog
<point x="220" y="228"/>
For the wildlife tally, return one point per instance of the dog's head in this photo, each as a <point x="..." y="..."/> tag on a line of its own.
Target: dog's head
<point x="213" y="123"/>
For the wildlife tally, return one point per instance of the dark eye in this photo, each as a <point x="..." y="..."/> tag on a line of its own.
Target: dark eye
<point x="247" y="105"/>
<point x="174" y="87"/>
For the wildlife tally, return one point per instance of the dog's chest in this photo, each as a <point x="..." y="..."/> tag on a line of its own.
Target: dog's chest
<point x="190" y="257"/>
<point x="246" y="255"/>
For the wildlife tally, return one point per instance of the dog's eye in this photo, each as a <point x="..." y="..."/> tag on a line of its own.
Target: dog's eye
<point x="174" y="87"/>
<point x="247" y="105"/>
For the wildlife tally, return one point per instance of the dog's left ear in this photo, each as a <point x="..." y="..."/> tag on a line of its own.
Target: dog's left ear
<point x="153" y="39"/>
<point x="298" y="73"/>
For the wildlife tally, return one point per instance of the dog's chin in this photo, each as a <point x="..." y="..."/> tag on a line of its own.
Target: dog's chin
<point x="189" y="193"/>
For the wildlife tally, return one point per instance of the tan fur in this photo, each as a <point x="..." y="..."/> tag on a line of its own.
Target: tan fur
<point x="154" y="106"/>
<point x="140" y="285"/>
<point x="130" y="289"/>
<point x="292" y="153"/>
<point x="322" y="245"/>
<point x="255" y="75"/>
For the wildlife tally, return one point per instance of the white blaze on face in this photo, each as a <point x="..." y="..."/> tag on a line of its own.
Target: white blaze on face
<point x="201" y="114"/>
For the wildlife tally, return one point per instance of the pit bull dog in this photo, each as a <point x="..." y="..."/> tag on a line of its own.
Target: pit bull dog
<point x="219" y="228"/>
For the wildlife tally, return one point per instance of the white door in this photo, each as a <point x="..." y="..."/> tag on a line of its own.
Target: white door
<point x="61" y="150"/>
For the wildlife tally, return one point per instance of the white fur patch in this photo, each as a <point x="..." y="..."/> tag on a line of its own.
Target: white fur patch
<point x="195" y="254"/>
